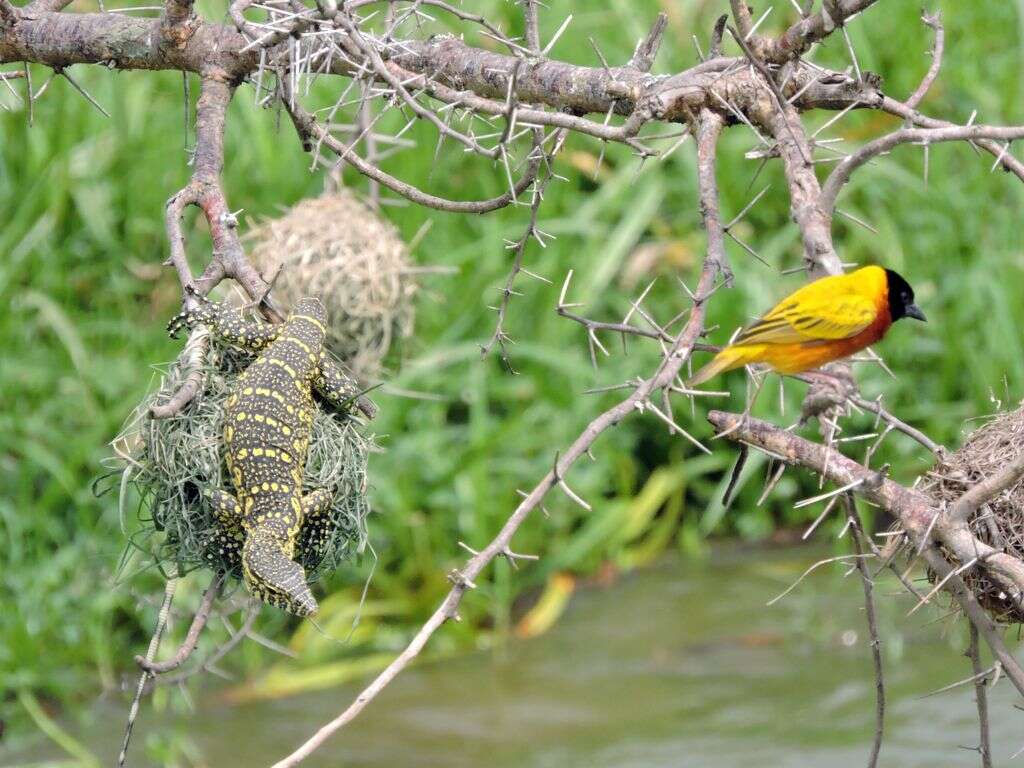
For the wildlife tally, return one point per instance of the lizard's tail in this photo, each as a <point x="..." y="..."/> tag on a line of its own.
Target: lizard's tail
<point x="274" y="577"/>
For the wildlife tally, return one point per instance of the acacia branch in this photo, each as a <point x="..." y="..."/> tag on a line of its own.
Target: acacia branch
<point x="710" y="126"/>
<point x="9" y="14"/>
<point x="938" y="48"/>
<point x="188" y="645"/>
<point x="859" y="538"/>
<point x="924" y="524"/>
<point x="977" y="614"/>
<point x="462" y="580"/>
<point x="986" y="490"/>
<point x="179" y="22"/>
<point x="310" y="131"/>
<point x="205" y="190"/>
<point x="191" y="360"/>
<point x="841" y="173"/>
<point x="436" y="78"/>
<point x="647" y="49"/>
<point x="980" y="698"/>
<point x="1004" y="158"/>
<point x="899" y="425"/>
<point x="799" y="38"/>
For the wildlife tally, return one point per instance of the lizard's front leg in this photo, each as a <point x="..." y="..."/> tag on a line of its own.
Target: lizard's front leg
<point x="338" y="388"/>
<point x="227" y="323"/>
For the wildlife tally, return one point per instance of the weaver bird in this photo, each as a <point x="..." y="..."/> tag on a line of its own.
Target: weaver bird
<point x="826" y="320"/>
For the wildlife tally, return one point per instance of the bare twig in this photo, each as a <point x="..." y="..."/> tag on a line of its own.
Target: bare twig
<point x="192" y="636"/>
<point x="191" y="359"/>
<point x="146" y="675"/>
<point x="709" y="129"/>
<point x="897" y="424"/>
<point x="647" y="49"/>
<point x="869" y="609"/>
<point x="841" y="173"/>
<point x="675" y="358"/>
<point x="938" y="47"/>
<point x="980" y="698"/>
<point x="251" y="614"/>
<point x="986" y="490"/>
<point x="799" y="38"/>
<point x="914" y="512"/>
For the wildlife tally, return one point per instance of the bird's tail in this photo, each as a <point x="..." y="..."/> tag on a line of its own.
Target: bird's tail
<point x="726" y="360"/>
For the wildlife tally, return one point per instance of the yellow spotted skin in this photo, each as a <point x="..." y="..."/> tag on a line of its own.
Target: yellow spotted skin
<point x="267" y="422"/>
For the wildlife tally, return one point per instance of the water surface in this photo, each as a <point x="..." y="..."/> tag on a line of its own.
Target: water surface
<point x="678" y="665"/>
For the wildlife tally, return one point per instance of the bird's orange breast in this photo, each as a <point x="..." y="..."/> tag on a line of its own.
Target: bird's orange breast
<point x="806" y="356"/>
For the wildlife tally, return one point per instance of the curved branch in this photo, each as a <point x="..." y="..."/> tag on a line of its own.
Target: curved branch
<point x="841" y="173"/>
<point x="1005" y="159"/>
<point x="938" y="47"/>
<point x="923" y="523"/>
<point x="986" y="490"/>
<point x="196" y="628"/>
<point x="191" y="360"/>
<point x="251" y="614"/>
<point x="799" y="38"/>
<point x="783" y="122"/>
<point x="310" y="131"/>
<point x="897" y="424"/>
<point x="463" y="580"/>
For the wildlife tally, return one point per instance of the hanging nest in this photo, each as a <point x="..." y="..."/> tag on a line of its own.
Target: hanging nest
<point x="170" y="461"/>
<point x="1000" y="522"/>
<point x="337" y="248"/>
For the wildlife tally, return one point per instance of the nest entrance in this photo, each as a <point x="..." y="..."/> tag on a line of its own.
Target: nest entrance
<point x="1000" y="522"/>
<point x="173" y="460"/>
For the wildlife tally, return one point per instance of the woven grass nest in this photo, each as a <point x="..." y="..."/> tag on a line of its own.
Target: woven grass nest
<point x="337" y="248"/>
<point x="172" y="460"/>
<point x="1000" y="522"/>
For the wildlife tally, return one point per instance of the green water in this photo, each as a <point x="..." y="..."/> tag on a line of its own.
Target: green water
<point x="678" y="665"/>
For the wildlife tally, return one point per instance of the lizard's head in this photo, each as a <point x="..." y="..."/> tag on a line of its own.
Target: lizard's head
<point x="274" y="578"/>
<point x="311" y="315"/>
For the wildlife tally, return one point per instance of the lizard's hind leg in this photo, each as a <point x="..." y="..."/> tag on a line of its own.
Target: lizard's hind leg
<point x="224" y="545"/>
<point x="317" y="526"/>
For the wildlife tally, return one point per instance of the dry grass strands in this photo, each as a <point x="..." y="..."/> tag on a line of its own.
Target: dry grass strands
<point x="1000" y="522"/>
<point x="171" y="461"/>
<point x="337" y="248"/>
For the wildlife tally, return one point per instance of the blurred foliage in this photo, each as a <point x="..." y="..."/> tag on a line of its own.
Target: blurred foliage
<point x="86" y="301"/>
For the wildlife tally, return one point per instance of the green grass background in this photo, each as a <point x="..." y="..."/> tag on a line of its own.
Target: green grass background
<point x="85" y="303"/>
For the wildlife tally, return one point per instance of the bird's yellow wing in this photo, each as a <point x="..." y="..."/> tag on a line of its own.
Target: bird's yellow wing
<point x="812" y="315"/>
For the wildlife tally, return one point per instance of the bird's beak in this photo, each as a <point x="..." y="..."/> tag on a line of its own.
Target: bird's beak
<point x="912" y="310"/>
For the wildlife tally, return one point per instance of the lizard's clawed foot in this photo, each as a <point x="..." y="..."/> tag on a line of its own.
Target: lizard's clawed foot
<point x="188" y="318"/>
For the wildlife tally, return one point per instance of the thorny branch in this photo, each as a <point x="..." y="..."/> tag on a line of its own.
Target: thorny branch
<point x="938" y="48"/>
<point x="192" y="636"/>
<point x="980" y="698"/>
<point x="925" y="525"/>
<point x="514" y="109"/>
<point x="463" y="579"/>
<point x="859" y="541"/>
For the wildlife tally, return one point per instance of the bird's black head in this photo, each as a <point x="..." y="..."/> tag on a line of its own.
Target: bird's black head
<point x="901" y="298"/>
